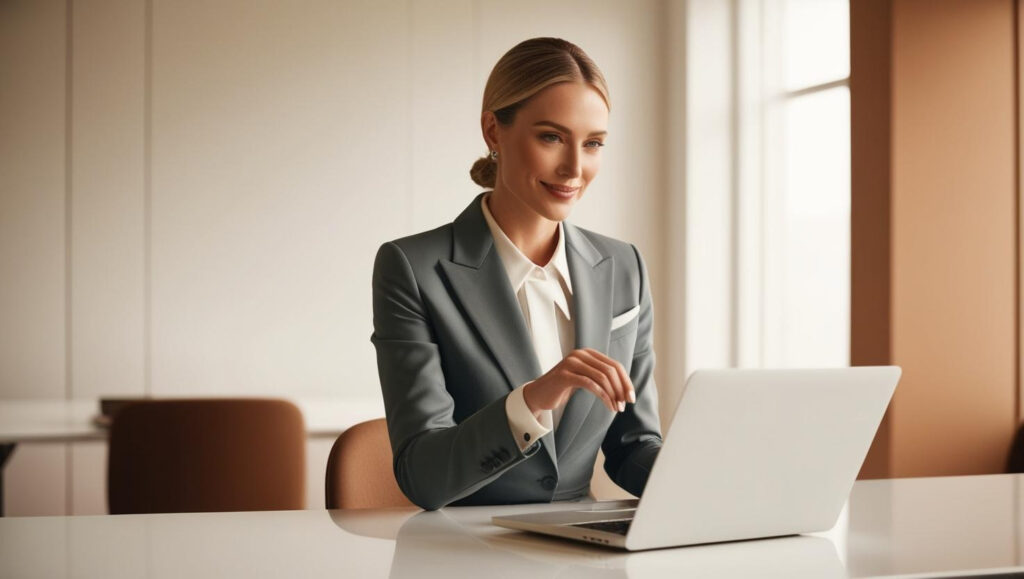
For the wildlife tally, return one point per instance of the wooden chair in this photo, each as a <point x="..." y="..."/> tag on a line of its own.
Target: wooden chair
<point x="196" y="455"/>
<point x="359" y="471"/>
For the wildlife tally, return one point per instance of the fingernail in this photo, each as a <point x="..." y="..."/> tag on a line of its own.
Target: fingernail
<point x="622" y="406"/>
<point x="632" y="396"/>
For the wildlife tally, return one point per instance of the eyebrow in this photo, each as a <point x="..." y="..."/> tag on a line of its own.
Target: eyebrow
<point x="559" y="127"/>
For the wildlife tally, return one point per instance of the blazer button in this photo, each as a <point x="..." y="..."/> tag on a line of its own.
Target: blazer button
<point x="548" y="483"/>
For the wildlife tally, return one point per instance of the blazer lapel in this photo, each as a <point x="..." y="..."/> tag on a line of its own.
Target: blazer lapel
<point x="592" y="275"/>
<point x="477" y="277"/>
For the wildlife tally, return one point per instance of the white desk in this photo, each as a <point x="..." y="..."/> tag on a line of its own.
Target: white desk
<point x="72" y="420"/>
<point x="926" y="527"/>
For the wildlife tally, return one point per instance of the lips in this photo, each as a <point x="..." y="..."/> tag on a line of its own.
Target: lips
<point x="561" y="191"/>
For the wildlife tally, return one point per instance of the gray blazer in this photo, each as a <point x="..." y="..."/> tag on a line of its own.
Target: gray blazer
<point x="452" y="344"/>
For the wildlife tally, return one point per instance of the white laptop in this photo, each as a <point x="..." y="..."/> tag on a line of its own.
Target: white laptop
<point x="750" y="454"/>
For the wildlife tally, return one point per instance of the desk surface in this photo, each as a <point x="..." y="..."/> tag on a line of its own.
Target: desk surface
<point x="923" y="527"/>
<point x="72" y="420"/>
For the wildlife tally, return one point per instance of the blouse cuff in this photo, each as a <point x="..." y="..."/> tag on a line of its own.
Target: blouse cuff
<point x="525" y="427"/>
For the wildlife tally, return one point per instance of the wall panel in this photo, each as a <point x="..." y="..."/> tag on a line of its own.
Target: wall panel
<point x="33" y="240"/>
<point x="445" y="137"/>
<point x="935" y="230"/>
<point x="954" y="236"/>
<point x="107" y="200"/>
<point x="280" y="163"/>
<point x="32" y="181"/>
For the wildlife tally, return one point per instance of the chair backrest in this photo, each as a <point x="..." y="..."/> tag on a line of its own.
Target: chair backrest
<point x="196" y="455"/>
<point x="359" y="469"/>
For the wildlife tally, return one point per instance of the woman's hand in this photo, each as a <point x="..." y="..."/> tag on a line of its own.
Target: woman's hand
<point x="585" y="368"/>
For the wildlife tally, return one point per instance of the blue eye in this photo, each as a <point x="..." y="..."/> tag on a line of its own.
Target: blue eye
<point x="594" y="144"/>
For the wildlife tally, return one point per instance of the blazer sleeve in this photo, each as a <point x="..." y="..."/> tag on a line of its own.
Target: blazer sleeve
<point x="436" y="461"/>
<point x="634" y="437"/>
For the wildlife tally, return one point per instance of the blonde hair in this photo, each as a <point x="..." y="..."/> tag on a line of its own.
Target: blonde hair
<point x="530" y="67"/>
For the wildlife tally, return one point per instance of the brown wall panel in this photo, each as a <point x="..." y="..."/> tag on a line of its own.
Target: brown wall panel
<point x="935" y="228"/>
<point x="871" y="157"/>
<point x="954" y="246"/>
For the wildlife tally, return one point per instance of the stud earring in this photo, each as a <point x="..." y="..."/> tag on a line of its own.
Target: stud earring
<point x="494" y="155"/>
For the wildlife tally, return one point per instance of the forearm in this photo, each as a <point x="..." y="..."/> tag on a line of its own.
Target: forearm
<point x="436" y="460"/>
<point x="439" y="466"/>
<point x="634" y="438"/>
<point x="633" y="465"/>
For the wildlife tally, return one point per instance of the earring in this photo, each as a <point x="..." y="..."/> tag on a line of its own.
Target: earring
<point x="494" y="155"/>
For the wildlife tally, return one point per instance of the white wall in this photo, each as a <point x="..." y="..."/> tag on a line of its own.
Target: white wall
<point x="33" y="235"/>
<point x="192" y="193"/>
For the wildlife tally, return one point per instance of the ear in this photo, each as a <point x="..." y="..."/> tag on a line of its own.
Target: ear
<point x="489" y="128"/>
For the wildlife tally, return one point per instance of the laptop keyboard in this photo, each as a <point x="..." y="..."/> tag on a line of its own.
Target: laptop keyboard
<point x="619" y="527"/>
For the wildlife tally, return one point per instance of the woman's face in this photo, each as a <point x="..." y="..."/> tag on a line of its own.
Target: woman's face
<point x="552" y="150"/>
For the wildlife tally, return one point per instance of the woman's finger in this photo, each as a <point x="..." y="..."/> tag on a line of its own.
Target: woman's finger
<point x="575" y="375"/>
<point x="607" y="366"/>
<point x="595" y="389"/>
<point x="627" y="382"/>
<point x="591" y="375"/>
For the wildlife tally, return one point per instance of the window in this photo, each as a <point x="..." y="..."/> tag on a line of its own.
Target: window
<point x="794" y="183"/>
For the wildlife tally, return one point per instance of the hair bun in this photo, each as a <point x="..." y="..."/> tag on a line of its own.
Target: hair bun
<point x="484" y="172"/>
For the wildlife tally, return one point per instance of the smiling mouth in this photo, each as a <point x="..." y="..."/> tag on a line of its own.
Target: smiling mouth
<point x="561" y="190"/>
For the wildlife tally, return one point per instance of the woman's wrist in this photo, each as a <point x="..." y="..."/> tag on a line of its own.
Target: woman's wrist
<point x="531" y="406"/>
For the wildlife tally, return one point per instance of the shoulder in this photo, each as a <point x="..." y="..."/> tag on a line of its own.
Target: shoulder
<point x="625" y="254"/>
<point x="419" y="250"/>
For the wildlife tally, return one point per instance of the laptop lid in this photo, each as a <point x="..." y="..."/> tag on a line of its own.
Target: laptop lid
<point x="760" y="453"/>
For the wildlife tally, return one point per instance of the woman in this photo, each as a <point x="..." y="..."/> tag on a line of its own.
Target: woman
<point x="510" y="344"/>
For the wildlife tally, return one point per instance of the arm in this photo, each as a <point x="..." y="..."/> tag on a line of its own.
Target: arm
<point x="436" y="461"/>
<point x="634" y="437"/>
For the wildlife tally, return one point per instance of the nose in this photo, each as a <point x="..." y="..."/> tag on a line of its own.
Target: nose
<point x="571" y="166"/>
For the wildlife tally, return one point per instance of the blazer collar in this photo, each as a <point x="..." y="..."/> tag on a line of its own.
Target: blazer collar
<point x="472" y="238"/>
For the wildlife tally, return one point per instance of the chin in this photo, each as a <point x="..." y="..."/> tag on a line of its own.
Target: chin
<point x="556" y="210"/>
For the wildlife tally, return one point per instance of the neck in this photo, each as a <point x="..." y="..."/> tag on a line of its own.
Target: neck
<point x="534" y="235"/>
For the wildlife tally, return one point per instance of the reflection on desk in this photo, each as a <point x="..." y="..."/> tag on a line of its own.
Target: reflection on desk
<point x="462" y="543"/>
<point x="908" y="527"/>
